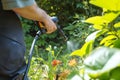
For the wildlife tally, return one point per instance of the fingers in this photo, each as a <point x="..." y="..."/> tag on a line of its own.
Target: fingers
<point x="50" y="26"/>
<point x="51" y="29"/>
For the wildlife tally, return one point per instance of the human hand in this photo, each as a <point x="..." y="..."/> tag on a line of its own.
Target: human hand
<point x="49" y="25"/>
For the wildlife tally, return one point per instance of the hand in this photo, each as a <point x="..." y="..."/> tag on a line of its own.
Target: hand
<point x="50" y="25"/>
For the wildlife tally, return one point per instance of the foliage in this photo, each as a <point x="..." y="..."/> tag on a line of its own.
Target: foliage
<point x="62" y="68"/>
<point x="45" y="62"/>
<point x="106" y="23"/>
<point x="71" y="14"/>
<point x="65" y="10"/>
<point x="100" y="64"/>
<point x="87" y="47"/>
<point x="70" y="17"/>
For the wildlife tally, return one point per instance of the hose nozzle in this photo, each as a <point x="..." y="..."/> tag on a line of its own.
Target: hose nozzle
<point x="55" y="20"/>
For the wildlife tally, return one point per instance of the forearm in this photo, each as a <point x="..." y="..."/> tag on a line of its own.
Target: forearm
<point x="32" y="12"/>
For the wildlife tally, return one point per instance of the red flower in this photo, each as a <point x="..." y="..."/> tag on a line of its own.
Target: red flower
<point x="56" y="62"/>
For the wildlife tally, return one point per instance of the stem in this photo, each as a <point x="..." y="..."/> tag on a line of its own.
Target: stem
<point x="58" y="52"/>
<point x="113" y="29"/>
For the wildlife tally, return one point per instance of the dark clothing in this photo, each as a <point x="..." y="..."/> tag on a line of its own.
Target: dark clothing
<point x="11" y="56"/>
<point x="10" y="25"/>
<point x="12" y="47"/>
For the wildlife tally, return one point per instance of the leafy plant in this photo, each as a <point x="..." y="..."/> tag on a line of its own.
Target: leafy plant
<point x="100" y="64"/>
<point x="106" y="24"/>
<point x="62" y="68"/>
<point x="103" y="64"/>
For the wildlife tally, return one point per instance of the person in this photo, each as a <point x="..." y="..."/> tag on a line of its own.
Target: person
<point x="12" y="45"/>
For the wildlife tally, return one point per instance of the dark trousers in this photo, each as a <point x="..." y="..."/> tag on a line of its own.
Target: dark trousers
<point x="12" y="48"/>
<point x="9" y="78"/>
<point x="12" y="63"/>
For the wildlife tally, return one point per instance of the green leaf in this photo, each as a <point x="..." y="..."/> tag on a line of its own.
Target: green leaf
<point x="99" y="27"/>
<point x="98" y="20"/>
<point x="117" y="43"/>
<point x="109" y="17"/>
<point x="117" y="25"/>
<point x="115" y="74"/>
<point x="87" y="47"/>
<point x="109" y="37"/>
<point x="77" y="53"/>
<point x="109" y="43"/>
<point x="101" y="61"/>
<point x="101" y="21"/>
<point x="118" y="33"/>
<point x="107" y="4"/>
<point x="102" y="32"/>
<point x="111" y="32"/>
